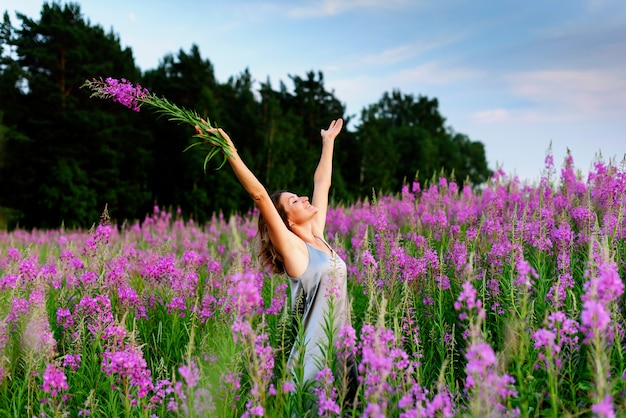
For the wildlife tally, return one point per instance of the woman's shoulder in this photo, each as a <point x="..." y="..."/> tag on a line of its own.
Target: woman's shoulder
<point x="296" y="258"/>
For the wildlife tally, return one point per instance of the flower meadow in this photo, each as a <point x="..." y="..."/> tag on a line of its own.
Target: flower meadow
<point x="503" y="302"/>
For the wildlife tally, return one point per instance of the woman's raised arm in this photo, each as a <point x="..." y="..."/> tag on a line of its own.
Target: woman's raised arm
<point x="323" y="173"/>
<point x="282" y="238"/>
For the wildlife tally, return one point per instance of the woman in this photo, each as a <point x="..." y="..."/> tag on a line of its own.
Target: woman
<point x="291" y="231"/>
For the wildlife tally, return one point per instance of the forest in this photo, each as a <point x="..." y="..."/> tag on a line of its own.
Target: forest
<point x="65" y="158"/>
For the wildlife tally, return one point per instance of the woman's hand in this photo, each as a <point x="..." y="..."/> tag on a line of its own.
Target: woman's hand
<point x="333" y="130"/>
<point x="223" y="134"/>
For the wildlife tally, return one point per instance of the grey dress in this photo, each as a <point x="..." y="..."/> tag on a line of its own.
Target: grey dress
<point x="323" y="280"/>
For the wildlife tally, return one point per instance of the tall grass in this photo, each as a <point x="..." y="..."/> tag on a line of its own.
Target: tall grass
<point x="503" y="302"/>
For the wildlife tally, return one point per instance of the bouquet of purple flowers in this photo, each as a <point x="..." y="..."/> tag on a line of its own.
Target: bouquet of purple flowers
<point x="134" y="96"/>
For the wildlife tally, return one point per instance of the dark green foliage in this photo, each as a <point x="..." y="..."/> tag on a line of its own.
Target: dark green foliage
<point x="402" y="136"/>
<point x="64" y="156"/>
<point x="68" y="156"/>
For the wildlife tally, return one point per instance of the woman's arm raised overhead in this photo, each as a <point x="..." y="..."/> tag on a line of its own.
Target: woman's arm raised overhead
<point x="323" y="174"/>
<point x="282" y="239"/>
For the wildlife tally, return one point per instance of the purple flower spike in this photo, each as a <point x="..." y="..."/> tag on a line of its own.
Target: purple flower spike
<point x="54" y="380"/>
<point x="190" y="373"/>
<point x="124" y="92"/>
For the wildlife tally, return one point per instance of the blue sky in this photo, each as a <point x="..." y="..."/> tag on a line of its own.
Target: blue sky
<point x="515" y="75"/>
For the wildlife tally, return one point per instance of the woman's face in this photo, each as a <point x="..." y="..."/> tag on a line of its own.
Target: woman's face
<point x="297" y="208"/>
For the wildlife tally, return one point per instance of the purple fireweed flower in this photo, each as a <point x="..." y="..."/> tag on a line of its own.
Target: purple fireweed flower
<point x="102" y="234"/>
<point x="326" y="394"/>
<point x="560" y="332"/>
<point x="601" y="290"/>
<point x="96" y="311"/>
<point x="278" y="301"/>
<point x="19" y="307"/>
<point x="525" y="274"/>
<point x="288" y="387"/>
<point x="480" y="358"/>
<point x="458" y="256"/>
<point x="37" y="297"/>
<point x="186" y="284"/>
<point x="177" y="390"/>
<point x="232" y="380"/>
<point x="443" y="282"/>
<point x="129" y="364"/>
<point x="129" y="299"/>
<point x="190" y="373"/>
<point x="373" y="410"/>
<point x="64" y="318"/>
<point x="117" y="274"/>
<point x="8" y="281"/>
<point x="161" y="269"/>
<point x="13" y="254"/>
<point x="72" y="361"/>
<point x="4" y="340"/>
<point x="245" y="293"/>
<point x="54" y="380"/>
<point x="88" y="278"/>
<point x="253" y="411"/>
<point x="264" y="357"/>
<point x="413" y="402"/>
<point x="609" y="286"/>
<point x="241" y="330"/>
<point x="594" y="318"/>
<point x="566" y="329"/>
<point x="441" y="405"/>
<point x="563" y="235"/>
<point x="192" y="259"/>
<point x="114" y="336"/>
<point x="162" y="388"/>
<point x="50" y="275"/>
<point x="124" y="92"/>
<point x="207" y="308"/>
<point x="558" y="292"/>
<point x="28" y="269"/>
<point x="484" y="381"/>
<point x="604" y="409"/>
<point x="346" y="342"/>
<point x="467" y="301"/>
<point x="545" y="338"/>
<point x="432" y="257"/>
<point x="381" y="361"/>
<point x="499" y="251"/>
<point x="214" y="267"/>
<point x="177" y="304"/>
<point x="71" y="263"/>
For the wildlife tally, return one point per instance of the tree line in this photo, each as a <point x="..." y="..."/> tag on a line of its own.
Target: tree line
<point x="64" y="157"/>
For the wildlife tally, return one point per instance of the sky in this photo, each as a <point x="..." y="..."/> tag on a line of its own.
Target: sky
<point x="525" y="78"/>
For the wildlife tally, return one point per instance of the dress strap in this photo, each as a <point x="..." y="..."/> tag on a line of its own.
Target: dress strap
<point x="324" y="241"/>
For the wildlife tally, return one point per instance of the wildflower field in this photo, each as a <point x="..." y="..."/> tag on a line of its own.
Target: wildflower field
<point x="507" y="301"/>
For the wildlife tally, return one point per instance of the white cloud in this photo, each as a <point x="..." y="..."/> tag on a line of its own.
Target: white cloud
<point x="132" y="17"/>
<point x="406" y="51"/>
<point x="589" y="93"/>
<point x="491" y="116"/>
<point x="436" y="73"/>
<point x="365" y="88"/>
<point x="565" y="96"/>
<point x="361" y="91"/>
